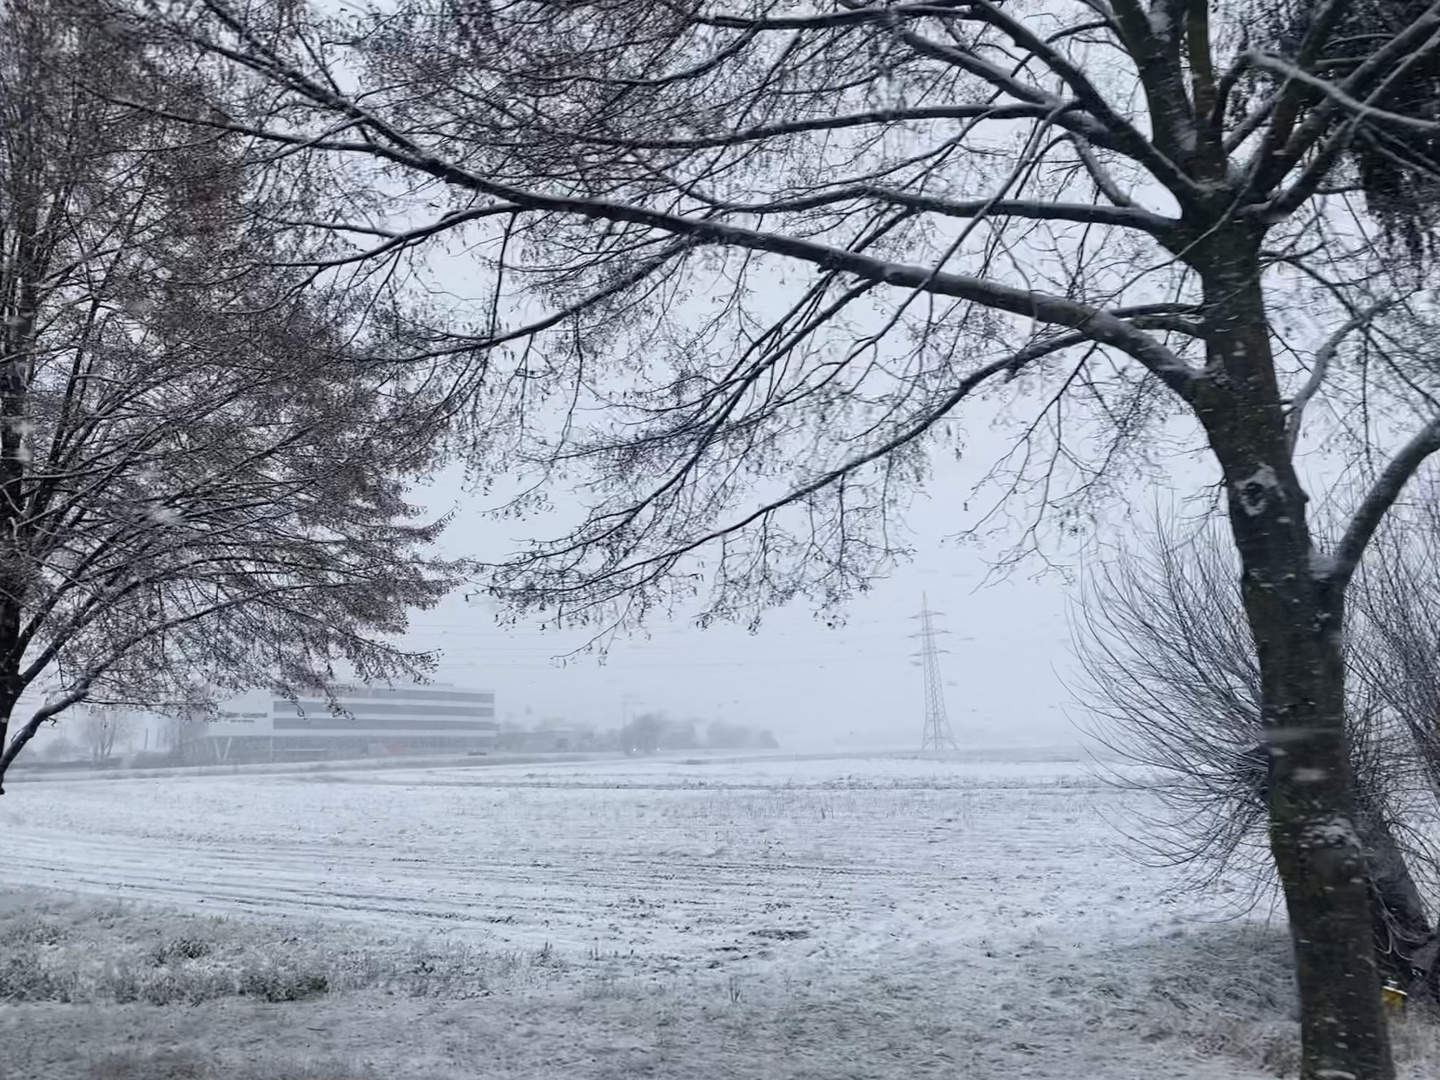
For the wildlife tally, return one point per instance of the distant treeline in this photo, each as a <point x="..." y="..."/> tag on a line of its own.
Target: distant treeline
<point x="652" y="731"/>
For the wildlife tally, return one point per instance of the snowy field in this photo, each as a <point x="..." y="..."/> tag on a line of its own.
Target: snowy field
<point x="775" y="918"/>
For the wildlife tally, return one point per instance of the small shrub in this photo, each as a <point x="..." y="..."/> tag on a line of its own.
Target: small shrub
<point x="179" y="949"/>
<point x="449" y="972"/>
<point x="123" y="984"/>
<point x="186" y="986"/>
<point x="32" y="932"/>
<point x="23" y="977"/>
<point x="275" y="985"/>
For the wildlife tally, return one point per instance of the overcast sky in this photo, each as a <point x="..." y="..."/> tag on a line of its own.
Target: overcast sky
<point x="816" y="688"/>
<point x="1006" y="672"/>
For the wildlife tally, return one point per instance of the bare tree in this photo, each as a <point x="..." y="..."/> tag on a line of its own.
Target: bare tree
<point x="99" y="731"/>
<point x="203" y="449"/>
<point x="185" y="735"/>
<point x="1172" y="686"/>
<point x="1394" y="644"/>
<point x="644" y="734"/>
<point x="759" y="252"/>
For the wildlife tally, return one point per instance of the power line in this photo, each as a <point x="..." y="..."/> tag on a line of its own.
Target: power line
<point x="937" y="734"/>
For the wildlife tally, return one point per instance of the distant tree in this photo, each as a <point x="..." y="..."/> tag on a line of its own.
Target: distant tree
<point x="183" y="734"/>
<point x="643" y="734"/>
<point x="100" y="730"/>
<point x="185" y="723"/>
<point x="204" y="445"/>
<point x="721" y="735"/>
<point x="679" y="735"/>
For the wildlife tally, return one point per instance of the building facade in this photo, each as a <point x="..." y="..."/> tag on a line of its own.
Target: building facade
<point x="365" y="722"/>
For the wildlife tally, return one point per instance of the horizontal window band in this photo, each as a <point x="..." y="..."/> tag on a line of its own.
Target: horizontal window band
<point x="341" y="725"/>
<point x="484" y="697"/>
<point x="361" y="708"/>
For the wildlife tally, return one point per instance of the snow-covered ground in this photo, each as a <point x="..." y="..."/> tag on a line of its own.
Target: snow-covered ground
<point x="769" y="918"/>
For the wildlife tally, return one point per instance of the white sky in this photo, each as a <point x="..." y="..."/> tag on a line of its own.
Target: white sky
<point x="816" y="688"/>
<point x="820" y="689"/>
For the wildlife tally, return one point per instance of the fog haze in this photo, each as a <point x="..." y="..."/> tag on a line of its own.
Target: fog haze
<point x="816" y="687"/>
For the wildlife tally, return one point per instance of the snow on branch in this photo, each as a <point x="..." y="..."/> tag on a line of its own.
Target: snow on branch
<point x="53" y="707"/>
<point x="1338" y="94"/>
<point x="988" y="111"/>
<point x="1129" y="217"/>
<point x="1175" y="373"/>
<point x="1324" y="356"/>
<point x="1378" y="501"/>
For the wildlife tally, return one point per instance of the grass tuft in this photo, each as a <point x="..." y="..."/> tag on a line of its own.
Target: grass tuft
<point x="275" y="984"/>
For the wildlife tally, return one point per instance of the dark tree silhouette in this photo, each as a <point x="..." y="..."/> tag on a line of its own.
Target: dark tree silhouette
<point x="203" y="453"/>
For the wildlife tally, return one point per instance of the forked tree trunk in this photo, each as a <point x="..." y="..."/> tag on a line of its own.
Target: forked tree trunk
<point x="1295" y="614"/>
<point x="1406" y="945"/>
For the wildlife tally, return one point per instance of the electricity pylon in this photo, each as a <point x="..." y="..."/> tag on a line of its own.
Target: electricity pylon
<point x="937" y="734"/>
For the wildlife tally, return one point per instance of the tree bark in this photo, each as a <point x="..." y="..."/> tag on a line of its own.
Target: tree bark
<point x="1317" y="847"/>
<point x="1295" y="615"/>
<point x="7" y="709"/>
<point x="1406" y="944"/>
<point x="1405" y="940"/>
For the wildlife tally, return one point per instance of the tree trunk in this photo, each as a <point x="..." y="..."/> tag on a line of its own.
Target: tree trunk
<point x="11" y="685"/>
<point x="7" y="708"/>
<point x="1405" y="941"/>
<point x="1406" y="945"/>
<point x="1318" y="850"/>
<point x="1295" y="616"/>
